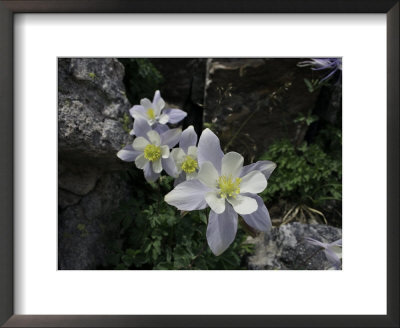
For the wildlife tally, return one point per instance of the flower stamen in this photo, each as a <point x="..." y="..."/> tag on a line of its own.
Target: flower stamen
<point x="189" y="165"/>
<point x="151" y="114"/>
<point x="152" y="152"/>
<point x="228" y="186"/>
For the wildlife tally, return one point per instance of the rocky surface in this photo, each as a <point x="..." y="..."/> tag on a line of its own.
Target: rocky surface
<point x="246" y="98"/>
<point x="284" y="249"/>
<point x="91" y="179"/>
<point x="85" y="222"/>
<point x="91" y="105"/>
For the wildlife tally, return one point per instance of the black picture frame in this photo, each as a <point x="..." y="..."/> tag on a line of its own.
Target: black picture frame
<point x="10" y="7"/>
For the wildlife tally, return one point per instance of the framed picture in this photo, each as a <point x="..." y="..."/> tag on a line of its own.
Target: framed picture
<point x="102" y="218"/>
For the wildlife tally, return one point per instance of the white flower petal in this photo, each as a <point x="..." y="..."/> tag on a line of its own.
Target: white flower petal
<point x="188" y="196"/>
<point x="332" y="258"/>
<point x="260" y="219"/>
<point x="171" y="137"/>
<point x="315" y="242"/>
<point x="179" y="157"/>
<point x="208" y="175"/>
<point x="165" y="151"/>
<point x="146" y="103"/>
<point x="158" y="103"/>
<point x="192" y="151"/>
<point x="169" y="166"/>
<point x="156" y="97"/>
<point x="128" y="154"/>
<point x="154" y="137"/>
<point x="163" y="119"/>
<point x="337" y="250"/>
<point x="188" y="138"/>
<point x="209" y="149"/>
<point x="149" y="174"/>
<point x="190" y="176"/>
<point x="266" y="168"/>
<point x="217" y="204"/>
<point x="175" y="115"/>
<point x="157" y="166"/>
<point x="221" y="230"/>
<point x="160" y="128"/>
<point x="243" y="204"/>
<point x="141" y="127"/>
<point x="140" y="143"/>
<point x="232" y="164"/>
<point x="138" y="111"/>
<point x="336" y="243"/>
<point x="141" y="161"/>
<point x="253" y="182"/>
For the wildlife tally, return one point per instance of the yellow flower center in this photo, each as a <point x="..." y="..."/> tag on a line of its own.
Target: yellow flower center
<point x="189" y="165"/>
<point x="152" y="152"/>
<point x="228" y="186"/>
<point x="150" y="114"/>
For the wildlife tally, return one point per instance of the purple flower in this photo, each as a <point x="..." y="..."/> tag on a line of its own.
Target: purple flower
<point x="317" y="64"/>
<point x="229" y="188"/>
<point x="333" y="251"/>
<point x="185" y="156"/>
<point x="155" y="113"/>
<point x="151" y="151"/>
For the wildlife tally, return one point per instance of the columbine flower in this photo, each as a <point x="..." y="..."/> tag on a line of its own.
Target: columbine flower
<point x="155" y="114"/>
<point x="151" y="150"/>
<point x="185" y="156"/>
<point x="228" y="188"/>
<point x="317" y="64"/>
<point x="333" y="251"/>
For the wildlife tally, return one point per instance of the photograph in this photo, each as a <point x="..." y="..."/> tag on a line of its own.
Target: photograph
<point x="199" y="163"/>
<point x="155" y="151"/>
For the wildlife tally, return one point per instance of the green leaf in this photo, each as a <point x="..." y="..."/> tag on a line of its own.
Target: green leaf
<point x="309" y="85"/>
<point x="164" y="266"/>
<point x="182" y="258"/>
<point x="127" y="260"/>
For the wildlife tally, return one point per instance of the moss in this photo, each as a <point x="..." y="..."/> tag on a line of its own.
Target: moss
<point x="82" y="229"/>
<point x="126" y="123"/>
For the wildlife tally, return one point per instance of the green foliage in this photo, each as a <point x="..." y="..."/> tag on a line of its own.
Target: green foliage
<point x="141" y="78"/>
<point x="82" y="229"/>
<point x="308" y="118"/>
<point x="126" y="123"/>
<point x="311" y="85"/>
<point x="154" y="235"/>
<point x="304" y="174"/>
<point x="314" y="84"/>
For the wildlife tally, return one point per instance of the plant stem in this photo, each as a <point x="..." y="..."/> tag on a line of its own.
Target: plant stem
<point x="240" y="128"/>
<point x="198" y="254"/>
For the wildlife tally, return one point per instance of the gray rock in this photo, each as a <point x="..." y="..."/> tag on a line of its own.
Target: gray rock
<point x="66" y="199"/>
<point x="86" y="227"/>
<point x="263" y="95"/>
<point x="91" y="105"/>
<point x="284" y="249"/>
<point x="92" y="181"/>
<point x="79" y="182"/>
